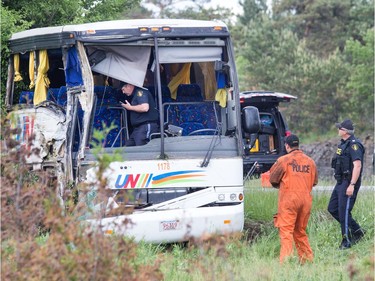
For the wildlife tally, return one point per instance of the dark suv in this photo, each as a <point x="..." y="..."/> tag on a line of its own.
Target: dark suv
<point x="267" y="145"/>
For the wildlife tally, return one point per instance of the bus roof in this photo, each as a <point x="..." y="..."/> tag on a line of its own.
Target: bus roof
<point x="117" y="24"/>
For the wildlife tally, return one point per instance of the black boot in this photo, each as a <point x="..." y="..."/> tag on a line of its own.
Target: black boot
<point x="345" y="243"/>
<point x="357" y="235"/>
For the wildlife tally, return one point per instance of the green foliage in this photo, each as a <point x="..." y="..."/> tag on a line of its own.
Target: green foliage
<point x="360" y="87"/>
<point x="196" y="10"/>
<point x="276" y="60"/>
<point x="103" y="160"/>
<point x="41" y="242"/>
<point x="324" y="24"/>
<point x="319" y="86"/>
<point x="201" y="13"/>
<point x="106" y="9"/>
<point x="46" y="13"/>
<point x="256" y="257"/>
<point x="260" y="204"/>
<point x="251" y="10"/>
<point x="51" y="13"/>
<point x="268" y="54"/>
<point x="11" y="21"/>
<point x="299" y="50"/>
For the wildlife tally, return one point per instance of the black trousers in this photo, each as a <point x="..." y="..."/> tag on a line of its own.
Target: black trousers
<point x="338" y="203"/>
<point x="141" y="134"/>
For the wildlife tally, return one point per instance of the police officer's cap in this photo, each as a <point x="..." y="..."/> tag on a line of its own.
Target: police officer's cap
<point x="292" y="140"/>
<point x="347" y="124"/>
<point x="122" y="84"/>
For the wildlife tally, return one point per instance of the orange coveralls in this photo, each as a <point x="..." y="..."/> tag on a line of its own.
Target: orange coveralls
<point x="295" y="174"/>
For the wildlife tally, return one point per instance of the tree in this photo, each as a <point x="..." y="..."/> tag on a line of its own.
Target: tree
<point x="195" y="10"/>
<point x="11" y="21"/>
<point x="318" y="83"/>
<point x="325" y="24"/>
<point x="95" y="10"/>
<point x="280" y="52"/>
<point x="360" y="86"/>
<point x="268" y="53"/>
<point x="273" y="59"/>
<point x="252" y="9"/>
<point x="52" y="12"/>
<point x="202" y="13"/>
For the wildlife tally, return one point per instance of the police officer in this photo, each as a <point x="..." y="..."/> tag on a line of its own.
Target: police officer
<point x="347" y="162"/>
<point x="143" y="114"/>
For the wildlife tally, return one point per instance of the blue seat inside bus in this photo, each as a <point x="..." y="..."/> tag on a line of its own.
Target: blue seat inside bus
<point x="190" y="121"/>
<point x="62" y="96"/>
<point x="26" y="97"/>
<point x="189" y="93"/>
<point x="107" y="113"/>
<point x="192" y="117"/>
<point x="185" y="93"/>
<point x="52" y="94"/>
<point x="165" y="93"/>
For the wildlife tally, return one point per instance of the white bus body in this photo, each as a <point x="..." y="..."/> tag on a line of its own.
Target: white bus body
<point x="188" y="179"/>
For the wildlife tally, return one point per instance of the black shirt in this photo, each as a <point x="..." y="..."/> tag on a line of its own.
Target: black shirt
<point x="141" y="96"/>
<point x="354" y="148"/>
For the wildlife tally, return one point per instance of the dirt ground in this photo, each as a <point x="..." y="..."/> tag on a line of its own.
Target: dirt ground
<point x="254" y="229"/>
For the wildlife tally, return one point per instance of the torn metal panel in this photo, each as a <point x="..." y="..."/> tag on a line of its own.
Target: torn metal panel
<point x="86" y="98"/>
<point x="46" y="125"/>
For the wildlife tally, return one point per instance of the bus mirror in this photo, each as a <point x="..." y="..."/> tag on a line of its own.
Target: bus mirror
<point x="250" y="119"/>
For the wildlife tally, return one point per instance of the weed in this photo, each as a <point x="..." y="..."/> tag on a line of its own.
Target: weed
<point x="42" y="242"/>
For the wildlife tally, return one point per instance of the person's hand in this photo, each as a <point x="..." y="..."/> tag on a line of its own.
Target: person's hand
<point x="126" y="105"/>
<point x="350" y="190"/>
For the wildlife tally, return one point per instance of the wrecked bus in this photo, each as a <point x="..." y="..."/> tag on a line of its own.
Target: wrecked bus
<point x="188" y="179"/>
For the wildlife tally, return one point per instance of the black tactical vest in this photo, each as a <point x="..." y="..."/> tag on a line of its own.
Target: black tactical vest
<point x="342" y="162"/>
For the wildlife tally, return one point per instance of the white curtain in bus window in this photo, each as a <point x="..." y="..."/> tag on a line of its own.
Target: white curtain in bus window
<point x="189" y="54"/>
<point x="124" y="63"/>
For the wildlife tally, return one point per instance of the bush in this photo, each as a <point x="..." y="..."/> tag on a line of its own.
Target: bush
<point x="42" y="241"/>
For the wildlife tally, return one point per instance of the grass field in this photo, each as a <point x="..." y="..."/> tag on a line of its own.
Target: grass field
<point x="255" y="255"/>
<point x="40" y="243"/>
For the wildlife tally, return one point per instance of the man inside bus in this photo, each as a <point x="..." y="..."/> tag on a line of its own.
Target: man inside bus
<point x="143" y="113"/>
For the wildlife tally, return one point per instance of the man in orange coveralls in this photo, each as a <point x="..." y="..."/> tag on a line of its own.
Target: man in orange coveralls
<point x="295" y="174"/>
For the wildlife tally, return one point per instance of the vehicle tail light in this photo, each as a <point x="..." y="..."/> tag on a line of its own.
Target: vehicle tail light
<point x="288" y="133"/>
<point x="240" y="197"/>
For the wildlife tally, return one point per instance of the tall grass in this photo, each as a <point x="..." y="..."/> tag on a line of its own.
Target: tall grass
<point x="258" y="259"/>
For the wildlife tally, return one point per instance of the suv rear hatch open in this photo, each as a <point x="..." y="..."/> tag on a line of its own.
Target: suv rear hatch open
<point x="266" y="146"/>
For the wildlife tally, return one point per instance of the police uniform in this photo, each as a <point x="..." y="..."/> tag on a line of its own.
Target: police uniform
<point x="348" y="150"/>
<point x="144" y="123"/>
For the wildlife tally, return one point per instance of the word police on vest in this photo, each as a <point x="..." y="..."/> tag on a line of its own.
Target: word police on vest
<point x="300" y="168"/>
